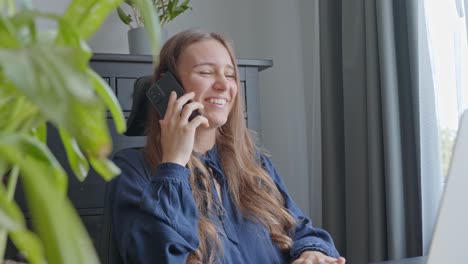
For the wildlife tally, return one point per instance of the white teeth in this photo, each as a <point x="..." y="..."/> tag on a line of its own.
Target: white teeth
<point x="217" y="101"/>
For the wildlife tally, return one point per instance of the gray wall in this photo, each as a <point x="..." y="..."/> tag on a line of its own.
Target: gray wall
<point x="261" y="29"/>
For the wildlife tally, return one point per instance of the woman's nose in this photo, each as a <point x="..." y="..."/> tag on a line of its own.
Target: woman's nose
<point x="221" y="83"/>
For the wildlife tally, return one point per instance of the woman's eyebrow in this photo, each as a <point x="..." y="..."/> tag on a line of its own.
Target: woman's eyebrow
<point x="230" y="66"/>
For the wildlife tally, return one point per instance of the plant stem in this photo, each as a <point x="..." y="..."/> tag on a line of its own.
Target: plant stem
<point x="11" y="187"/>
<point x="136" y="14"/>
<point x="12" y="181"/>
<point x="3" y="239"/>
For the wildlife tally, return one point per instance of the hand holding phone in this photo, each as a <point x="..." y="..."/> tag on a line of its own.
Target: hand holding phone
<point x="177" y="135"/>
<point x="158" y="94"/>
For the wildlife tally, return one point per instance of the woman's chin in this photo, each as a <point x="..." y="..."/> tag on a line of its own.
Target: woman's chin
<point x="217" y="122"/>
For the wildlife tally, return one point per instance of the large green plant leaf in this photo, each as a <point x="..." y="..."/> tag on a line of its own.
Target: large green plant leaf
<point x="77" y="160"/>
<point x="45" y="76"/>
<point x="19" y="115"/>
<point x="40" y="133"/>
<point x="151" y="25"/>
<point x="8" y="37"/>
<point x="12" y="220"/>
<point x="11" y="217"/>
<point x="59" y="87"/>
<point x="105" y="92"/>
<point x="106" y="168"/>
<point x="67" y="240"/>
<point x="88" y="15"/>
<point x="15" y="149"/>
<point x="29" y="244"/>
<point x="8" y="97"/>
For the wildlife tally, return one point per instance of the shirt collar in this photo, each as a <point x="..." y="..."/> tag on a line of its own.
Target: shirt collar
<point x="211" y="160"/>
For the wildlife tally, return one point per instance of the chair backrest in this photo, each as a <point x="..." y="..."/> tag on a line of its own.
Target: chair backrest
<point x="137" y="119"/>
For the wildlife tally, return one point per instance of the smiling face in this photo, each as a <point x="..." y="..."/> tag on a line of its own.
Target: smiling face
<point x="206" y="68"/>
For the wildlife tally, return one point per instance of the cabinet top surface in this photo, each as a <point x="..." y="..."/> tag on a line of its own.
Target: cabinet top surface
<point x="110" y="57"/>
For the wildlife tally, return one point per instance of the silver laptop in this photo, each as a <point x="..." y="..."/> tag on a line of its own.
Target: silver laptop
<point x="450" y="239"/>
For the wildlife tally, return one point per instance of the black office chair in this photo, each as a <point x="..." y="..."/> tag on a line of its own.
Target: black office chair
<point x="137" y="119"/>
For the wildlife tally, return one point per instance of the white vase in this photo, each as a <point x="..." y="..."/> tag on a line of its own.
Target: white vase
<point x="138" y="43"/>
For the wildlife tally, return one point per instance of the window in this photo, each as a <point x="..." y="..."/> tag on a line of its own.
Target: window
<point x="448" y="36"/>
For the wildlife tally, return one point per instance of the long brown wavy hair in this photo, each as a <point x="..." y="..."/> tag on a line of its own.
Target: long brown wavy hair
<point x="249" y="185"/>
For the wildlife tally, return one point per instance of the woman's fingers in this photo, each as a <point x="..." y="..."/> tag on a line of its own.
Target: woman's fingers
<point x="197" y="121"/>
<point x="180" y="102"/>
<point x="314" y="258"/>
<point x="175" y="106"/>
<point x="170" y="106"/>
<point x="188" y="109"/>
<point x="341" y="260"/>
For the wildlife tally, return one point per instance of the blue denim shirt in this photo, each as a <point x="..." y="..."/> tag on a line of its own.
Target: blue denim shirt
<point x="155" y="217"/>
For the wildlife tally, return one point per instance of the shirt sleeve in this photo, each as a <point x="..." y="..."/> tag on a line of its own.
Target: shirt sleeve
<point x="305" y="236"/>
<point x="155" y="217"/>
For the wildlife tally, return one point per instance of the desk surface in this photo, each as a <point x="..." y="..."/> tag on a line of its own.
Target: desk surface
<point x="417" y="260"/>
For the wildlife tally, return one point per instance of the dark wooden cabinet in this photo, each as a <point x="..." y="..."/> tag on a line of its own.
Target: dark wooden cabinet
<point x="121" y="71"/>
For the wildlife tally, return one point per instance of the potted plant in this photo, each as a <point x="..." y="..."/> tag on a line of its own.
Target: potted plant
<point x="167" y="11"/>
<point x="45" y="77"/>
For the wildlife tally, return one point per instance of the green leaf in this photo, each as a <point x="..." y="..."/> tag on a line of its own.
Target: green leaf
<point x="124" y="17"/>
<point x="69" y="35"/>
<point x="108" y="96"/>
<point x="89" y="15"/>
<point x="29" y="244"/>
<point x="16" y="148"/>
<point x="151" y="25"/>
<point x="11" y="217"/>
<point x="40" y="133"/>
<point x="77" y="160"/>
<point x="8" y="38"/>
<point x="67" y="240"/>
<point x="58" y="85"/>
<point x="185" y="3"/>
<point x="4" y="167"/>
<point x="106" y="168"/>
<point x="23" y="239"/>
<point x="171" y="5"/>
<point x="25" y="26"/>
<point x="19" y="115"/>
<point x="77" y="11"/>
<point x="179" y="9"/>
<point x="8" y="99"/>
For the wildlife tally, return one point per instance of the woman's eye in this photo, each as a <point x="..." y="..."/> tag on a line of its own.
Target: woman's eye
<point x="230" y="76"/>
<point x="205" y="72"/>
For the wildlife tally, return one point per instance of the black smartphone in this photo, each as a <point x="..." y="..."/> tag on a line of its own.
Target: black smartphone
<point x="158" y="94"/>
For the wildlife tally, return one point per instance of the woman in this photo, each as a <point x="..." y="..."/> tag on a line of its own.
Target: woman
<point x="200" y="191"/>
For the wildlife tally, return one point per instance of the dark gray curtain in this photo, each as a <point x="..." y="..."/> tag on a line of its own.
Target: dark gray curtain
<point x="370" y="125"/>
